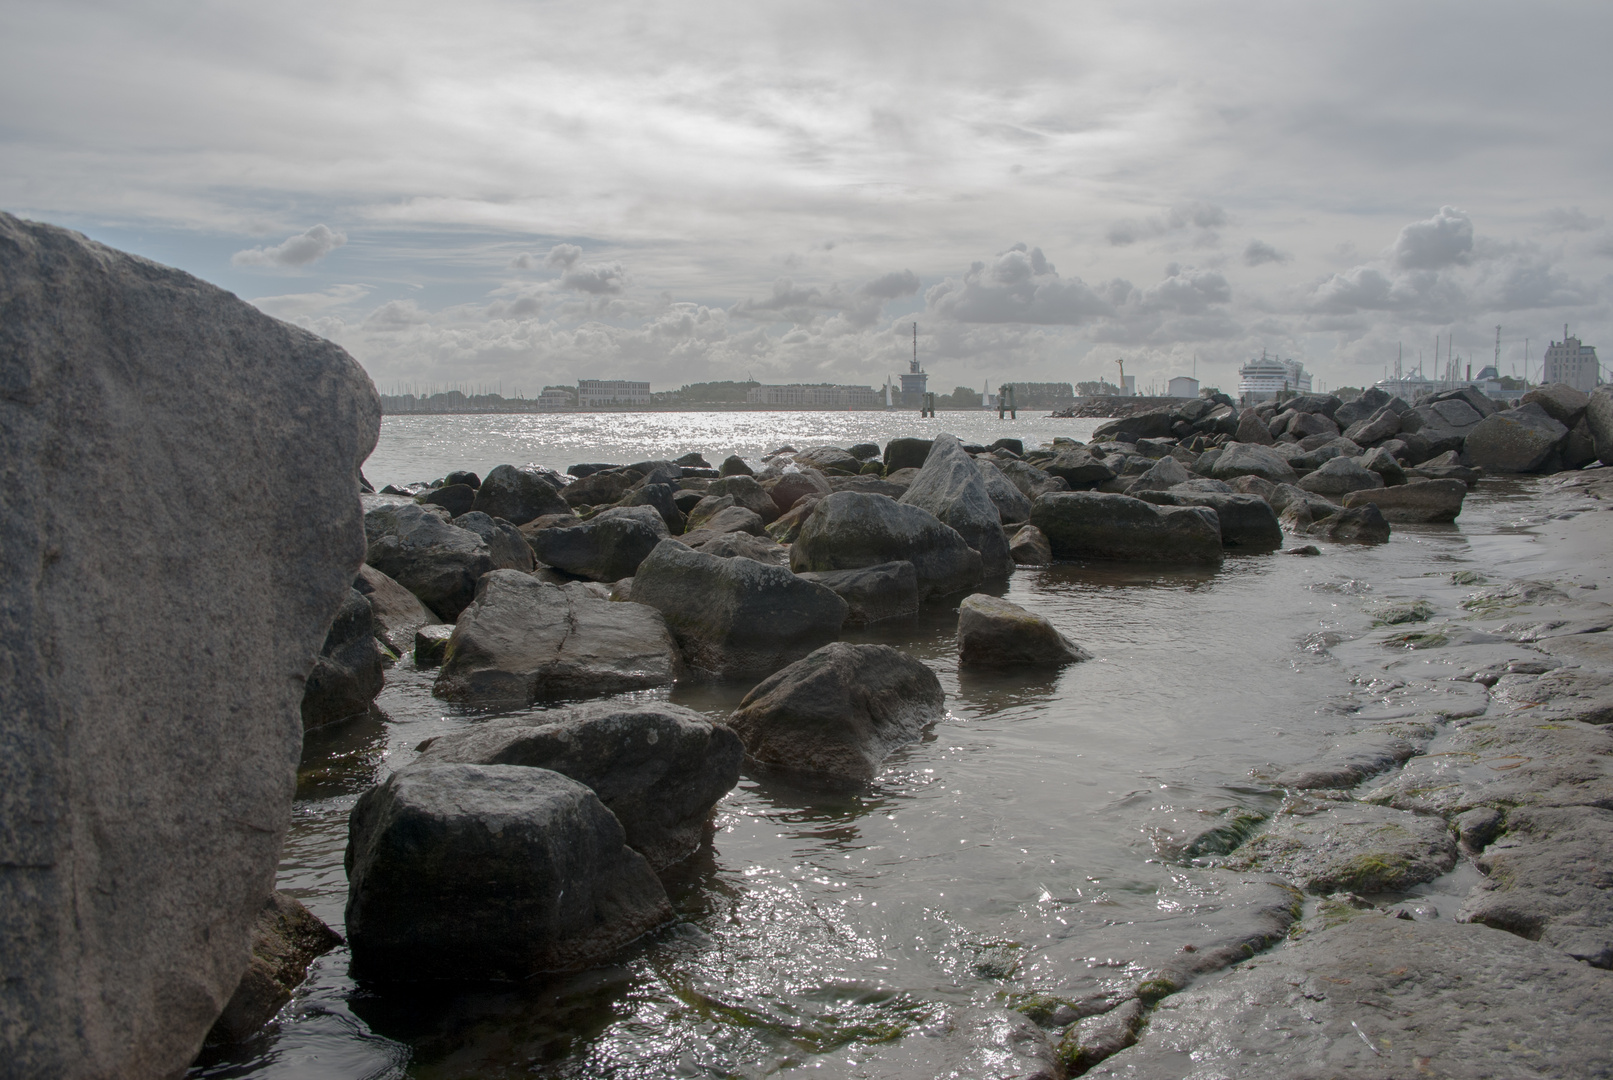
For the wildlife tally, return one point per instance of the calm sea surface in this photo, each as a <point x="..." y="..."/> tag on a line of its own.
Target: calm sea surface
<point x="1013" y="850"/>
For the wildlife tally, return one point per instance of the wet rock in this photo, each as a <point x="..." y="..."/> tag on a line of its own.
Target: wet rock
<point x="506" y="545"/>
<point x="149" y="706"/>
<point x="1092" y="525"/>
<point x="692" y="460"/>
<point x="787" y="526"/>
<point x="1303" y="549"/>
<point x="1339" y="477"/>
<point x="1164" y="475"/>
<point x="1089" y="1041"/>
<point x="738" y="545"/>
<point x="1420" y="502"/>
<point x="1079" y="468"/>
<point x="520" y="494"/>
<point x="436" y="561"/>
<point x="455" y="498"/>
<point x="734" y="465"/>
<point x="607" y="547"/>
<point x="830" y="459"/>
<point x="660" y="768"/>
<point x="998" y="633"/>
<point x="872" y="593"/>
<point x="286" y="938"/>
<point x="1560" y="401"/>
<point x="662" y="499"/>
<point x="431" y="644"/>
<point x="951" y="487"/>
<point x="905" y="453"/>
<point x="491" y="872"/>
<point x="1030" y="547"/>
<point x="1359" y="524"/>
<point x="736" y="618"/>
<point x="1012" y="504"/>
<point x="1246" y="522"/>
<point x="1326" y="846"/>
<point x="839" y="712"/>
<point x="463" y="476"/>
<point x="1252" y="429"/>
<point x="607" y="486"/>
<point x="726" y="519"/>
<point x="1566" y="693"/>
<point x="864" y="451"/>
<point x="347" y="674"/>
<point x="1550" y="879"/>
<point x="1478" y="826"/>
<point x="1514" y="441"/>
<point x="1244" y="459"/>
<point x="850" y="530"/>
<point x="395" y="612"/>
<point x="1380" y="998"/>
<point x="525" y="640"/>
<point x="1353" y="761"/>
<point x="794" y="485"/>
<point x="1032" y="481"/>
<point x="746" y="492"/>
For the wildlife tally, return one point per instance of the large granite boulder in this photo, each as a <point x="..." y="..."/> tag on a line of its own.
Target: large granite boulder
<point x="660" y="768"/>
<point x="796" y="484"/>
<point x="507" y="546"/>
<point x="519" y="494"/>
<point x="850" y="530"/>
<point x="607" y="485"/>
<point x="839" y="712"/>
<point x="998" y="633"/>
<point x="746" y="492"/>
<point x="1359" y="408"/>
<point x="1012" y="504"/>
<point x="607" y="547"/>
<point x="1247" y="522"/>
<point x="347" y="672"/>
<point x="1380" y="426"/>
<point x="1446" y="424"/>
<point x="395" y="612"/>
<point x="1361" y="523"/>
<point x="1029" y="547"/>
<point x="905" y="452"/>
<point x="736" y="618"/>
<point x="1561" y="402"/>
<point x="1244" y="459"/>
<point x="1599" y="418"/>
<point x="1033" y="482"/>
<point x="1153" y="424"/>
<point x="286" y="938"/>
<point x="1514" y="441"/>
<point x="663" y="499"/>
<point x="1252" y="430"/>
<point x="734" y="465"/>
<point x="950" y="487"/>
<point x="729" y="545"/>
<point x="1338" y="477"/>
<point x="455" y="498"/>
<point x="436" y="561"/>
<point x="1077" y="466"/>
<point x="1165" y="474"/>
<point x="1095" y="525"/>
<point x="1421" y="502"/>
<point x="149" y="707"/>
<point x="526" y="640"/>
<point x="872" y="593"/>
<point x="490" y="872"/>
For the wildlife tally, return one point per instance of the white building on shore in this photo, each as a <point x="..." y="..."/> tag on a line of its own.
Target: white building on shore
<point x="1263" y="379"/>
<point x="815" y="396"/>
<point x="1573" y="362"/>
<point x="1184" y="387"/>
<point x="592" y="393"/>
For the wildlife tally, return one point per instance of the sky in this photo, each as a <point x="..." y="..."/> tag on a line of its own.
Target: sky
<point x="508" y="194"/>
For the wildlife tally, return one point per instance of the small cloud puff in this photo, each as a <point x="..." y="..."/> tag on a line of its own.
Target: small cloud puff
<point x="1019" y="286"/>
<point x="1259" y="253"/>
<point x="1446" y="239"/>
<point x="302" y="250"/>
<point x="1198" y="215"/>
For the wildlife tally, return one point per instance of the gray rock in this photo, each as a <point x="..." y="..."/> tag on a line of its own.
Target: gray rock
<point x="1370" y="401"/>
<point x="1246" y="522"/>
<point x="872" y="593"/>
<point x="740" y="545"/>
<point x="347" y="673"/>
<point x="1030" y="480"/>
<point x="905" y="453"/>
<point x="455" y="498"/>
<point x="606" y="486"/>
<point x="1446" y="424"/>
<point x="734" y="465"/>
<point x="1307" y="425"/>
<point x="1423" y="501"/>
<point x="1348" y="764"/>
<point x="1327" y="846"/>
<point x="1339" y="477"/>
<point x="704" y="508"/>
<point x="875" y="484"/>
<point x="1362" y="523"/>
<point x="1550" y="879"/>
<point x="1380" y="426"/>
<point x="506" y="545"/>
<point x="431" y="644"/>
<point x="830" y="459"/>
<point x="1252" y="429"/>
<point x="850" y="530"/>
<point x="519" y="494"/>
<point x="1079" y="468"/>
<point x="660" y="768"/>
<point x="792" y="486"/>
<point x="736" y="618"/>
<point x="1093" y="525"/>
<point x="746" y="492"/>
<point x="1249" y="485"/>
<point x="606" y="547"/>
<point x="1012" y="504"/>
<point x="1152" y="424"/>
<point x="662" y="499"/>
<point x="1385" y="464"/>
<point x="1030" y="547"/>
<point x="1567" y="693"/>
<point x="1164" y="475"/>
<point x="525" y="640"/>
<point x="395" y="612"/>
<point x="787" y="526"/>
<point x="951" y="487"/>
<point x="1515" y="441"/>
<point x="998" y="633"/>
<point x="1243" y="459"/>
<point x="1097" y="1038"/>
<point x="149" y="706"/>
<point x="839" y="712"/>
<point x="1446" y="466"/>
<point x="1383" y="998"/>
<point x="436" y="561"/>
<point x="491" y="872"/>
<point x="1579" y="449"/>
<point x="1560" y="401"/>
<point x="726" y="519"/>
<point x="286" y="938"/>
<point x="1599" y="418"/>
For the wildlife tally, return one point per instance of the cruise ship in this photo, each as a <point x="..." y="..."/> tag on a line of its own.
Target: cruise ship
<point x="1263" y="379"/>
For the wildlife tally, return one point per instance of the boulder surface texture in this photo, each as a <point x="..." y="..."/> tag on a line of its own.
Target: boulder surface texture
<point x="659" y="768"/>
<point x="1093" y="525"/>
<point x="852" y="529"/>
<point x="951" y="487"/>
<point x="436" y="561"/>
<point x="490" y="872"/>
<point x="144" y="792"/>
<point x="839" y="712"/>
<point x="993" y="632"/>
<point x="347" y="674"/>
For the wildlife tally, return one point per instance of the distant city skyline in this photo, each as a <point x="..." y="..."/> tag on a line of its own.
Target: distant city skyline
<point x="742" y="190"/>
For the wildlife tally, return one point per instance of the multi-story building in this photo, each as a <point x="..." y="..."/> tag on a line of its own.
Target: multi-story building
<point x="1264" y="379"/>
<point x="592" y="393"/>
<point x="1573" y="362"/>
<point x="554" y="399"/>
<point x="815" y="396"/>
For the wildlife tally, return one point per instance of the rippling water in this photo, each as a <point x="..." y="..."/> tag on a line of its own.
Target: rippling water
<point x="1012" y="850"/>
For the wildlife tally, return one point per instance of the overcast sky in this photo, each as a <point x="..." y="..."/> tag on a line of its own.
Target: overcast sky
<point x="507" y="192"/>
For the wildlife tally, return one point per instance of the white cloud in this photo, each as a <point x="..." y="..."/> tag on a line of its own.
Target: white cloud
<point x="301" y="250"/>
<point x="1446" y="239"/>
<point x="296" y="305"/>
<point x="1259" y="253"/>
<point x="1018" y="286"/>
<point x="1198" y="215"/>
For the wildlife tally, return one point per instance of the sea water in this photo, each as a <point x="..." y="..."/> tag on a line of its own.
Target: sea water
<point x="1020" y="847"/>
